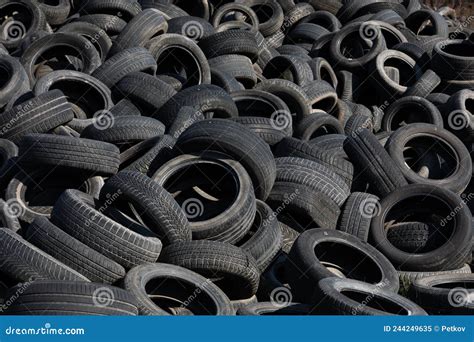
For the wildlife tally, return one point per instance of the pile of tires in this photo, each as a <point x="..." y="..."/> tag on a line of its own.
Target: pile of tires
<point x="250" y="157"/>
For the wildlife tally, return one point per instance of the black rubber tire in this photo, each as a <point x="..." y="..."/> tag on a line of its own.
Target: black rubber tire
<point x="69" y="153"/>
<point x="444" y="294"/>
<point x="67" y="298"/>
<point x="93" y="33"/>
<point x="268" y="23"/>
<point x="237" y="66"/>
<point x="317" y="124"/>
<point x="449" y="64"/>
<point x="235" y="270"/>
<point x="184" y="119"/>
<point x="237" y="141"/>
<point x="168" y="10"/>
<point x="313" y="174"/>
<point x="154" y="205"/>
<point x="290" y="147"/>
<point x="277" y="309"/>
<point x="233" y="42"/>
<point x="410" y="110"/>
<point x="123" y="8"/>
<point x="90" y="58"/>
<point x="225" y="81"/>
<point x="336" y="301"/>
<point x="416" y="20"/>
<point x="111" y="24"/>
<point x="322" y="96"/>
<point x="208" y="222"/>
<point x="73" y="253"/>
<point x="332" y="144"/>
<point x="306" y="207"/>
<point x="32" y="21"/>
<point x="451" y="255"/>
<point x="16" y="82"/>
<point x="456" y="179"/>
<point x="206" y="98"/>
<point x="125" y="130"/>
<point x="223" y="11"/>
<point x="411" y="237"/>
<point x="265" y="128"/>
<point x="293" y="95"/>
<point x="38" y="115"/>
<point x="123" y="63"/>
<point x="145" y="25"/>
<point x="425" y="85"/>
<point x="75" y="214"/>
<point x="357" y="214"/>
<point x="308" y="264"/>
<point x="408" y="278"/>
<point x="366" y="152"/>
<point x="265" y="238"/>
<point x="291" y="68"/>
<point x="124" y="107"/>
<point x="210" y="299"/>
<point x="22" y="261"/>
<point x="184" y="53"/>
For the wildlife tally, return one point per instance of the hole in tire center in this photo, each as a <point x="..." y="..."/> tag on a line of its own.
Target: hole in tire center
<point x="353" y="46"/>
<point x="82" y="94"/>
<point x="460" y="49"/>
<point x="351" y="262"/>
<point x="375" y="302"/>
<point x="6" y="73"/>
<point x="254" y="107"/>
<point x="407" y="73"/>
<point x="212" y="186"/>
<point x="264" y="12"/>
<point x="60" y="57"/>
<point x="432" y="153"/>
<point x="169" y="292"/>
<point x="184" y="66"/>
<point x="409" y="113"/>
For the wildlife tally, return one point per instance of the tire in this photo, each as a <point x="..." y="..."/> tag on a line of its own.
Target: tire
<point x="145" y="25"/>
<point x="169" y="11"/>
<point x="316" y="125"/>
<point x="323" y="71"/>
<point x="237" y="66"/>
<point x="22" y="261"/>
<point x="184" y="119"/>
<point x="38" y="115"/>
<point x="306" y="33"/>
<point x="265" y="238"/>
<point x="124" y="63"/>
<point x="210" y="299"/>
<point x="449" y="64"/>
<point x="153" y="204"/>
<point x="238" y="142"/>
<point x="415" y="21"/>
<point x="69" y="153"/>
<point x="226" y="9"/>
<point x="111" y="24"/>
<point x="425" y="85"/>
<point x="321" y="95"/>
<point x="357" y="214"/>
<point x="225" y="81"/>
<point x="68" y="298"/>
<point x="31" y="57"/>
<point x="124" y="107"/>
<point x="444" y="294"/>
<point x="180" y="51"/>
<point x="264" y="128"/>
<point x="337" y="301"/>
<point x="234" y="42"/>
<point x="125" y="130"/>
<point x="410" y="110"/>
<point x="307" y="207"/>
<point x="450" y="255"/>
<point x="375" y="163"/>
<point x="291" y="147"/>
<point x="16" y="82"/>
<point x="205" y="98"/>
<point x="36" y="20"/>
<point x="411" y="237"/>
<point x="268" y="24"/>
<point x="408" y="278"/>
<point x="315" y="256"/>
<point x="75" y="215"/>
<point x="73" y="253"/>
<point x="145" y="91"/>
<point x="229" y="222"/>
<point x="236" y="270"/>
<point x="290" y="68"/>
<point x="93" y="33"/>
<point x="456" y="172"/>
<point x="293" y="95"/>
<point x="332" y="144"/>
<point x="276" y="309"/>
<point x="121" y="8"/>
